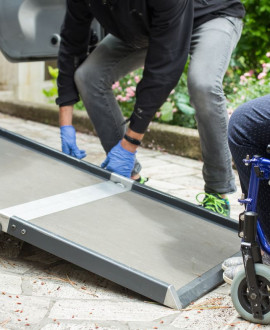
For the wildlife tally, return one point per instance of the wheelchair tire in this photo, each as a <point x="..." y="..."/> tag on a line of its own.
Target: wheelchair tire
<point x="239" y="294"/>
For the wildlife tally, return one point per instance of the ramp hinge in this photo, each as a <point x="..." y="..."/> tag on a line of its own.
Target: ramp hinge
<point x="121" y="180"/>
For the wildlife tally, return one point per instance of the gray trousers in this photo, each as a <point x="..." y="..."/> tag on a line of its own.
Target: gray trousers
<point x="210" y="53"/>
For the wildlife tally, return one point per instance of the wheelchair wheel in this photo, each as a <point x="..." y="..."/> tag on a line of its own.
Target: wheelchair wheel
<point x="239" y="294"/>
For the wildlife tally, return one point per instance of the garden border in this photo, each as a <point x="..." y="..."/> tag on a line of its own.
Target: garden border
<point x="172" y="139"/>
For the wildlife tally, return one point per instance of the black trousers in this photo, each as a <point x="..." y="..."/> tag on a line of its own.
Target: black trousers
<point x="249" y="134"/>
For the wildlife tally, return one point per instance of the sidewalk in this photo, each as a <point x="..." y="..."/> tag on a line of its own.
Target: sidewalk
<point x="40" y="291"/>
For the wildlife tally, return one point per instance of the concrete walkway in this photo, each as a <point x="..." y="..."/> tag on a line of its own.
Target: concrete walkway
<point x="40" y="291"/>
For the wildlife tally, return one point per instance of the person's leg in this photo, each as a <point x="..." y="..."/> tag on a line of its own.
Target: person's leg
<point x="211" y="49"/>
<point x="110" y="61"/>
<point x="249" y="134"/>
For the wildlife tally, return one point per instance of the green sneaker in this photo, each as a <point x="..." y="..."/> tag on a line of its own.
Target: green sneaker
<point x="142" y="180"/>
<point x="214" y="202"/>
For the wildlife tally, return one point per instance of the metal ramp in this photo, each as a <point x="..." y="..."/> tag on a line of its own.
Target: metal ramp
<point x="162" y="247"/>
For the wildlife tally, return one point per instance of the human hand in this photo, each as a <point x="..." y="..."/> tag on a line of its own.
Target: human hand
<point x="68" y="139"/>
<point x="120" y="161"/>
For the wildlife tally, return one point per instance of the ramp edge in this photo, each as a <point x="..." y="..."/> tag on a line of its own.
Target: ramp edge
<point x="172" y="299"/>
<point x="90" y="260"/>
<point x="207" y="282"/>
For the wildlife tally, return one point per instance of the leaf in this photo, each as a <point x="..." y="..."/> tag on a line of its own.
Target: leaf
<point x="166" y="112"/>
<point x="181" y="98"/>
<point x="53" y="72"/>
<point x="186" y="109"/>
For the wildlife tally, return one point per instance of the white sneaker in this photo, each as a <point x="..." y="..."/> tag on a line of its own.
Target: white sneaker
<point x="232" y="262"/>
<point x="232" y="266"/>
<point x="266" y="259"/>
<point x="229" y="273"/>
<point x="236" y="261"/>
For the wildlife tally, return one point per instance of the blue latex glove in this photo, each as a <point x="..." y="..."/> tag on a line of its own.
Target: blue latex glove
<point x="120" y="161"/>
<point x="69" y="146"/>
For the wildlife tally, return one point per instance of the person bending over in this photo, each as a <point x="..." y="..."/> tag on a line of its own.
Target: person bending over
<point x="158" y="35"/>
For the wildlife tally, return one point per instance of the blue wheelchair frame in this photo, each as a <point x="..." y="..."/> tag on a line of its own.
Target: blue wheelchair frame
<point x="260" y="170"/>
<point x="251" y="233"/>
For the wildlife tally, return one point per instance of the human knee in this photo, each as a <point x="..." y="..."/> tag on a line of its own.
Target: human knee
<point x="202" y="90"/>
<point x="86" y="75"/>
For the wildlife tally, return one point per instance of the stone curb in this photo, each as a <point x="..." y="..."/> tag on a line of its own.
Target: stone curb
<point x="172" y="139"/>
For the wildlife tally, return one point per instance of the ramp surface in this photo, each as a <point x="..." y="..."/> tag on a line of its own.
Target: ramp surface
<point x="157" y="245"/>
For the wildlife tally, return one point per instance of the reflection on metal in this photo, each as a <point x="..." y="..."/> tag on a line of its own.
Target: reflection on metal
<point x="61" y="202"/>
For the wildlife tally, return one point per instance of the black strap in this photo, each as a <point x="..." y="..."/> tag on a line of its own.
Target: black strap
<point x="132" y="140"/>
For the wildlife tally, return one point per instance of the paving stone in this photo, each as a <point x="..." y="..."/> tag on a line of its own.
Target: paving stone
<point x="10" y="284"/>
<point x="211" y="312"/>
<point x="167" y="170"/>
<point x="150" y="162"/>
<point x="19" y="310"/>
<point x="15" y="266"/>
<point x="82" y="285"/>
<point x="59" y="325"/>
<point x="180" y="160"/>
<point x="191" y="180"/>
<point x="162" y="186"/>
<point x="108" y="310"/>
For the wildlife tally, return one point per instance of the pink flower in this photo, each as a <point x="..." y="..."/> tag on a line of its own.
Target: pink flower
<point x="137" y="79"/>
<point x="268" y="54"/>
<point x="243" y="80"/>
<point x="115" y="85"/>
<point x="261" y="75"/>
<point x="249" y="73"/>
<point x="130" y="91"/>
<point x="121" y="98"/>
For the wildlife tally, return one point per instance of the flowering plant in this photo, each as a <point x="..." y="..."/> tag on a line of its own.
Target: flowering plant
<point x="175" y="111"/>
<point x="251" y="85"/>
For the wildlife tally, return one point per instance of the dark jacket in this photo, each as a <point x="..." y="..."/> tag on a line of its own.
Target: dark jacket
<point x="205" y="10"/>
<point x="164" y="26"/>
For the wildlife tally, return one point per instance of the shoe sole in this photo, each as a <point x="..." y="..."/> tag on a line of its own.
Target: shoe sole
<point x="227" y="279"/>
<point x="224" y="267"/>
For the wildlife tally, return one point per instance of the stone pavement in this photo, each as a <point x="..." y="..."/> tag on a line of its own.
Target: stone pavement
<point x="41" y="291"/>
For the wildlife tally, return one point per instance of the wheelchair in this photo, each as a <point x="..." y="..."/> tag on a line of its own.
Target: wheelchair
<point x="250" y="290"/>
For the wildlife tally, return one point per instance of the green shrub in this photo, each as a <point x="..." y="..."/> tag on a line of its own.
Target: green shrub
<point x="254" y="42"/>
<point x="250" y="85"/>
